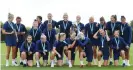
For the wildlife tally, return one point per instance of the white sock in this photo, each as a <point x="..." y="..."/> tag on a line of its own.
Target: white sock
<point x="13" y="61"/>
<point x="111" y="59"/>
<point x="37" y="62"/>
<point x="7" y="61"/>
<point x="124" y="61"/>
<point x="99" y="63"/>
<point x="81" y="62"/>
<point x="95" y="61"/>
<point x="128" y="62"/>
<point x="52" y="61"/>
<point x="24" y="61"/>
<point x="69" y="61"/>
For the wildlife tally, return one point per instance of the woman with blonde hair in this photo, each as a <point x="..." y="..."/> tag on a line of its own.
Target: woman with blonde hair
<point x="9" y="30"/>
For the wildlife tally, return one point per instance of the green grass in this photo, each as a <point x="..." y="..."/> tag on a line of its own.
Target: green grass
<point x="76" y="67"/>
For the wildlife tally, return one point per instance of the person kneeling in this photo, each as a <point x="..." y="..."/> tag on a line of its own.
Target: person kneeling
<point x="58" y="48"/>
<point x="103" y="39"/>
<point x="27" y="49"/>
<point x="42" y="50"/>
<point x="118" y="46"/>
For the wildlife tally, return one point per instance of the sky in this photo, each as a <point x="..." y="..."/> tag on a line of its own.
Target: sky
<point x="29" y="9"/>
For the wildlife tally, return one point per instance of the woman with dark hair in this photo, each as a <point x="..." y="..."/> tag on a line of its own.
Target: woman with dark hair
<point x="118" y="45"/>
<point x="102" y="24"/>
<point x="11" y="39"/>
<point x="21" y="33"/>
<point x="111" y="26"/>
<point x="126" y="34"/>
<point x="27" y="51"/>
<point x="40" y="24"/>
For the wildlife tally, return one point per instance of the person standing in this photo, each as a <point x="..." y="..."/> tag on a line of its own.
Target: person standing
<point x="126" y="34"/>
<point x="21" y="33"/>
<point x="10" y="39"/>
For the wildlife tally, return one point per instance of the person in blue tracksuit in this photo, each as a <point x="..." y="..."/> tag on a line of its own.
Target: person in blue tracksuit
<point x="90" y="30"/>
<point x="40" y="24"/>
<point x="126" y="34"/>
<point x="50" y="20"/>
<point x="79" y="25"/>
<point x="118" y="45"/>
<point x="35" y="32"/>
<point x="50" y="34"/>
<point x="21" y="34"/>
<point x="58" y="48"/>
<point x="42" y="50"/>
<point x="72" y="43"/>
<point x="27" y="51"/>
<point x="86" y="49"/>
<point x="9" y="30"/>
<point x="65" y="25"/>
<point x="111" y="26"/>
<point x="102" y="24"/>
<point x="103" y="38"/>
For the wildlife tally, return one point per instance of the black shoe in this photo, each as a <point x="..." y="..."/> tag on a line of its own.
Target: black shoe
<point x="111" y="63"/>
<point x="24" y="65"/>
<point x="123" y="65"/>
<point x="21" y="63"/>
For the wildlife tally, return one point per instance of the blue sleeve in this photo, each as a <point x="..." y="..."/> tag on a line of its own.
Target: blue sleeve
<point x="84" y="43"/>
<point x="107" y="25"/>
<point x="112" y="44"/>
<point x="130" y="35"/>
<point x="68" y="41"/>
<point x="86" y="30"/>
<point x="22" y="47"/>
<point x="33" y="48"/>
<point x="48" y="46"/>
<point x="30" y="32"/>
<point x="55" y="44"/>
<point x="123" y="42"/>
<point x="37" y="50"/>
<point x="5" y="26"/>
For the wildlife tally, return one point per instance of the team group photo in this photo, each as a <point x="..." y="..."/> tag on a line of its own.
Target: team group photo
<point x="51" y="43"/>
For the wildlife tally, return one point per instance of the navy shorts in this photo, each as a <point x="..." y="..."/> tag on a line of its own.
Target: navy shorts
<point x="89" y="53"/>
<point x="61" y="53"/>
<point x="29" y="57"/>
<point x="116" y="54"/>
<point x="10" y="40"/>
<point x="105" y="52"/>
<point x="45" y="57"/>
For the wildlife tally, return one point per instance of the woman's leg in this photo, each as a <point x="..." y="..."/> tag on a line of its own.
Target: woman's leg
<point x="14" y="55"/>
<point x="127" y="56"/>
<point x="30" y="63"/>
<point x="99" y="58"/>
<point x="7" y="55"/>
<point x="60" y="63"/>
<point x="95" y="54"/>
<point x="23" y="57"/>
<point x="37" y="55"/>
<point x="111" y="59"/>
<point x="52" y="58"/>
<point x="69" y="58"/>
<point x="105" y="62"/>
<point x="122" y="53"/>
<point x="82" y="54"/>
<point x="116" y="62"/>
